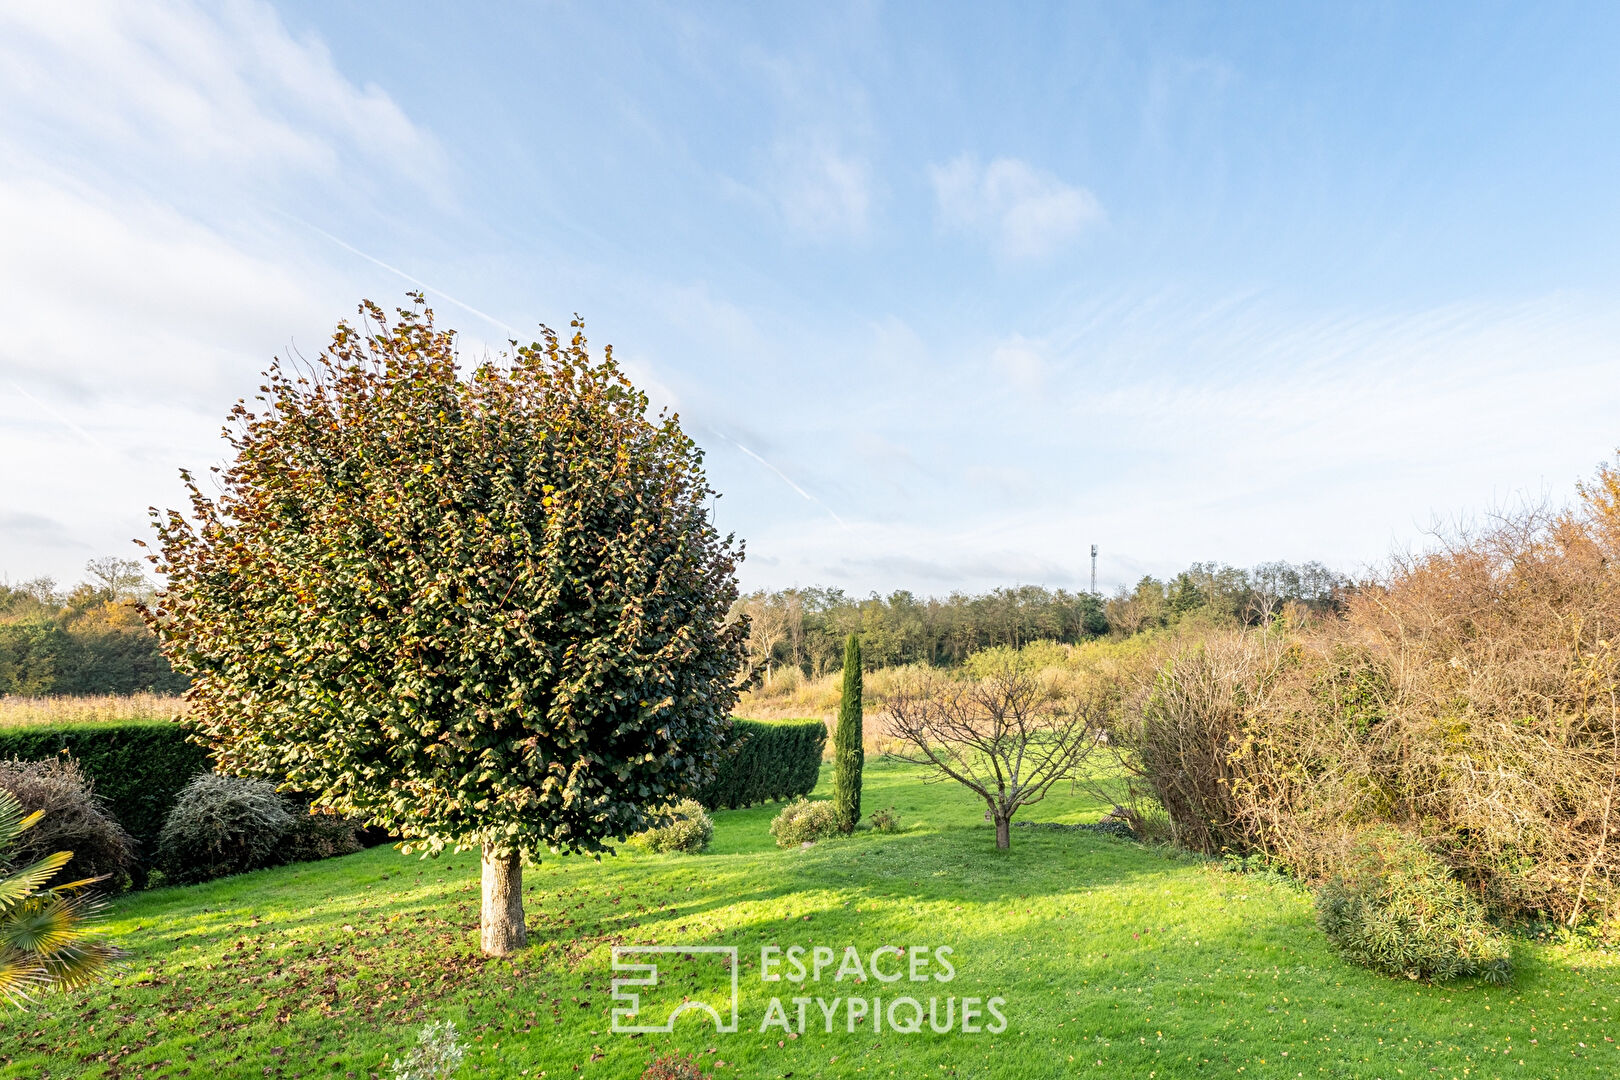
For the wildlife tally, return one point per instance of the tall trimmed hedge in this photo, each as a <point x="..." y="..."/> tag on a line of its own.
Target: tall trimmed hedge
<point x="138" y="766"/>
<point x="849" y="754"/>
<point x="766" y="761"/>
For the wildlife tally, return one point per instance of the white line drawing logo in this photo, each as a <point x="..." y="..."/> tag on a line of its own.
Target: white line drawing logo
<point x="647" y="975"/>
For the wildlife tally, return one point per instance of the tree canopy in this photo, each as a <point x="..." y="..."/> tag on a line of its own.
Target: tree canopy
<point x="484" y="611"/>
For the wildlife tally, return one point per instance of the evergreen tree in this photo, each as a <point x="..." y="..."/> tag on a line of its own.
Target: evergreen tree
<point x="848" y="756"/>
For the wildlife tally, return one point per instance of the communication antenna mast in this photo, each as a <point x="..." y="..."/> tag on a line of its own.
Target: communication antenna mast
<point x="1093" y="569"/>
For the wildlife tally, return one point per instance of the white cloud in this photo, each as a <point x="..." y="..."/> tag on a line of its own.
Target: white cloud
<point x="134" y="321"/>
<point x="822" y="191"/>
<point x="1169" y="429"/>
<point x="229" y="87"/>
<point x="1025" y="212"/>
<point x="1019" y="362"/>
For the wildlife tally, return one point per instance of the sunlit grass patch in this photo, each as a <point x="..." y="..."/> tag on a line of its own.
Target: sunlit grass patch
<point x="1114" y="960"/>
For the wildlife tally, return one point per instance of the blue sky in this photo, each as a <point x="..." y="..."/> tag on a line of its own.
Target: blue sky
<point x="947" y="292"/>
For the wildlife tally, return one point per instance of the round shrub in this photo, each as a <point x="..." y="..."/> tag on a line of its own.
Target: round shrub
<point x="804" y="820"/>
<point x="222" y="825"/>
<point x="686" y="827"/>
<point x="1395" y="908"/>
<point x="886" y="820"/>
<point x="316" y="834"/>
<point x="75" y="820"/>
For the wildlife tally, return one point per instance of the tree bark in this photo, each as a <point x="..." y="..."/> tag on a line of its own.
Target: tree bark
<point x="501" y="929"/>
<point x="1003" y="832"/>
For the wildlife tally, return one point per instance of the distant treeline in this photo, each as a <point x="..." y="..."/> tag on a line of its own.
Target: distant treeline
<point x="90" y="639"/>
<point x="805" y="628"/>
<point x="1226" y="594"/>
<point x="85" y="640"/>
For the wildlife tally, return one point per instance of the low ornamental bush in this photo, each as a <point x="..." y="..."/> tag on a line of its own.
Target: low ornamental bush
<point x="886" y="820"/>
<point x="317" y="835"/>
<point x="437" y="1055"/>
<point x="222" y="825"/>
<point x="673" y="1067"/>
<point x="804" y="820"/>
<point x="75" y="820"/>
<point x="1396" y="908"/>
<point x="686" y="826"/>
<point x="766" y="761"/>
<point x="138" y="767"/>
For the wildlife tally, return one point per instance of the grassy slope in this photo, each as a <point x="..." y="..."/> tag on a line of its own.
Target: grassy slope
<point x="1115" y="961"/>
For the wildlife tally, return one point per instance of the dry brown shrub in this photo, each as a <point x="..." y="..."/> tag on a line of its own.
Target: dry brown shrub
<point x="1182" y="733"/>
<point x="1472" y="695"/>
<point x="75" y="820"/>
<point x="1498" y="732"/>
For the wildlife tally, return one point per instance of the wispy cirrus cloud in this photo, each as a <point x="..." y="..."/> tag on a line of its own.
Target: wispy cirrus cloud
<point x="147" y="153"/>
<point x="215" y="87"/>
<point x="1024" y="212"/>
<point x="823" y="191"/>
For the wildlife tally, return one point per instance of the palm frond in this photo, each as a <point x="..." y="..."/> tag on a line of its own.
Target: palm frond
<point x="21" y="976"/>
<point x="12" y="819"/>
<point x="21" y="884"/>
<point x="47" y="924"/>
<point x="80" y="884"/>
<point x="81" y="964"/>
<point x="43" y="930"/>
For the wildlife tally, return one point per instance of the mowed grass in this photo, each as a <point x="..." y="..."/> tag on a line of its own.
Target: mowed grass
<point x="1113" y="960"/>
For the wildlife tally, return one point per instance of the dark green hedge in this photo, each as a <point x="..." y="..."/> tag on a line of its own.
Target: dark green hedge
<point x="766" y="761"/>
<point x="137" y="767"/>
<point x="44" y="657"/>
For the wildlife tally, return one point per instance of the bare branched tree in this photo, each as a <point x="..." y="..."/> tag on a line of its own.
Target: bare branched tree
<point x="1006" y="737"/>
<point x="767" y="629"/>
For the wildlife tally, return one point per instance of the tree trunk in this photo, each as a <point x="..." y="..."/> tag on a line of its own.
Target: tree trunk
<point x="1003" y="832"/>
<point x="501" y="930"/>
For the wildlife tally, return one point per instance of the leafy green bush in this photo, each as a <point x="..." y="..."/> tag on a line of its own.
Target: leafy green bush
<point x="686" y="826"/>
<point x="75" y="820"/>
<point x="222" y="825"/>
<point x="138" y="767"/>
<point x="804" y="820"/>
<point x="886" y="820"/>
<point x="1396" y="908"/>
<point x="765" y="761"/>
<point x="437" y="1055"/>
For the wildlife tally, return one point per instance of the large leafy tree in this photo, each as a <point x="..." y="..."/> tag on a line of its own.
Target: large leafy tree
<point x="483" y="609"/>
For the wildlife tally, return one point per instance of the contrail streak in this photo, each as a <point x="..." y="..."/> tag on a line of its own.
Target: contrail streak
<point x="786" y="479"/>
<point x="69" y="424"/>
<point x="418" y="282"/>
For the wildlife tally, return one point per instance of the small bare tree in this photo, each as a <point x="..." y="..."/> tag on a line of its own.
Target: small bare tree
<point x="1006" y="737"/>
<point x="767" y="628"/>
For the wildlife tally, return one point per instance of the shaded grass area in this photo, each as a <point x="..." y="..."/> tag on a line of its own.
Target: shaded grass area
<point x="1114" y="961"/>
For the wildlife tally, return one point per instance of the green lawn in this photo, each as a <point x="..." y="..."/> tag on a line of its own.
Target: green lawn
<point x="1113" y="960"/>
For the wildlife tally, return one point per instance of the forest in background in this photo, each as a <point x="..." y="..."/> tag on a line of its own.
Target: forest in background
<point x="88" y="639"/>
<point x="803" y="630"/>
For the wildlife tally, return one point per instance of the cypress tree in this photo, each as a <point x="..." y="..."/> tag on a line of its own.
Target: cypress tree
<point x="848" y="756"/>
